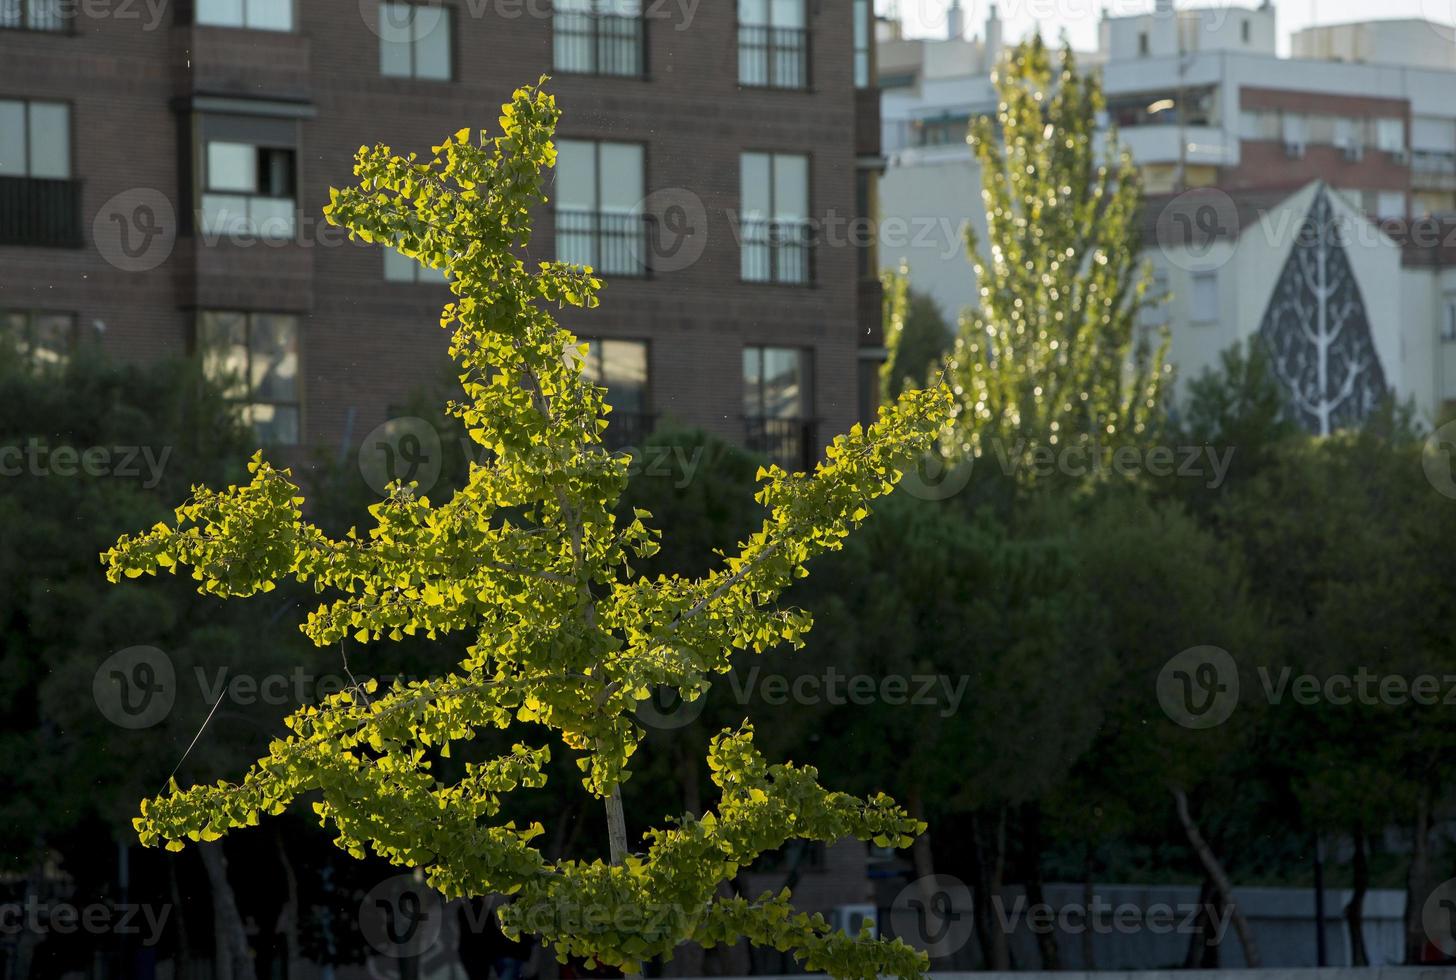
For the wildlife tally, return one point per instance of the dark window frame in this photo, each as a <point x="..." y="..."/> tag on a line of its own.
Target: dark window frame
<point x="638" y="423"/>
<point x="187" y="14"/>
<point x="643" y="268"/>
<point x="451" y="47"/>
<point x="27" y="343"/>
<point x="250" y="399"/>
<point x="774" y="242"/>
<point x="595" y="38"/>
<point x="772" y="47"/>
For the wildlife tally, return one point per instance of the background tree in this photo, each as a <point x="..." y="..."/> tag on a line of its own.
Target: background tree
<point x="1051" y="357"/>
<point x="916" y="335"/>
<point x="530" y="557"/>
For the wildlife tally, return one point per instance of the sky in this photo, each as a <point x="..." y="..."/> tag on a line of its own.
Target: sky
<point x="926" y="18"/>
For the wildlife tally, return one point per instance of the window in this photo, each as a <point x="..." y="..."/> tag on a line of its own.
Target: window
<point x="1448" y="324"/>
<point x="39" y="203"/>
<point x="402" y="268"/>
<point x="775" y="233"/>
<point x="255" y="358"/>
<point x="35" y="139"/>
<point x="776" y="401"/>
<point x="864" y="26"/>
<point x="599" y="37"/>
<point x="1204" y="300"/>
<point x="258" y="15"/>
<point x="620" y="366"/>
<point x="599" y="220"/>
<point x="1390" y="135"/>
<point x="1246" y="30"/>
<point x="773" y="43"/>
<point x="414" y="41"/>
<point x="248" y="189"/>
<point x="32" y="15"/>
<point x="1390" y="204"/>
<point x="45" y="339"/>
<point x="1143" y="45"/>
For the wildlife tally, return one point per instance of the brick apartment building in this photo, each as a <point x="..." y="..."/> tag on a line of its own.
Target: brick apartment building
<point x="163" y="166"/>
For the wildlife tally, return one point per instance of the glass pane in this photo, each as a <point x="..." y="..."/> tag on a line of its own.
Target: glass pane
<point x="624" y="364"/>
<point x="622" y="166"/>
<point x="222" y="13"/>
<point x="576" y="175"/>
<point x="50" y="140"/>
<point x="755" y="186"/>
<point x="271" y="218"/>
<point x="9" y="15"/>
<point x="274" y="424"/>
<point x="783" y="384"/>
<point x="222" y="339"/>
<point x="398" y="268"/>
<point x="791" y="188"/>
<point x="396" y="21"/>
<point x="275" y="357"/>
<point x="232" y="167"/>
<point x="270" y="15"/>
<point x="12" y="138"/>
<point x="277" y="173"/>
<point x="753" y="381"/>
<point x="224" y="214"/>
<point x="53" y="335"/>
<point x="787" y="13"/>
<point x="42" y="15"/>
<point x="432" y="43"/>
<point x="753" y="12"/>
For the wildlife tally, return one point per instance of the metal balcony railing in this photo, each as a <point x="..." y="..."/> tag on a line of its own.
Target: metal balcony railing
<point x="792" y="443"/>
<point x="628" y="430"/>
<point x="40" y="211"/>
<point x="773" y="57"/>
<point x="600" y="44"/>
<point x="611" y="243"/>
<point x="33" y="15"/>
<point x="778" y="251"/>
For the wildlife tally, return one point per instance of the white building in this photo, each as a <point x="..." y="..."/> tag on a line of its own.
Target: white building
<point x="1202" y="100"/>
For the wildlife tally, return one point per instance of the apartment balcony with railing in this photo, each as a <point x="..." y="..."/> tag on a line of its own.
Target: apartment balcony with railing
<point x="612" y="243"/>
<point x="1433" y="170"/>
<point x="773" y="57"/>
<point x="628" y="430"/>
<point x="778" y="251"/>
<point x="791" y="443"/>
<point x="40" y="211"/>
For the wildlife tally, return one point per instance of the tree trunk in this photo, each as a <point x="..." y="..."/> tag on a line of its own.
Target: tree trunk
<point x="1202" y="953"/>
<point x="921" y="855"/>
<point x="182" y="949"/>
<point x="617" y="840"/>
<point x="990" y="872"/>
<point x="1089" y="867"/>
<point x="1031" y="840"/>
<point x="231" y="957"/>
<point x="1355" y="909"/>
<point x="1214" y="870"/>
<point x="287" y="925"/>
<point x="1417" y="882"/>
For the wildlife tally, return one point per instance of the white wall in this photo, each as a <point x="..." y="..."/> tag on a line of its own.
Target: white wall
<point x="924" y="209"/>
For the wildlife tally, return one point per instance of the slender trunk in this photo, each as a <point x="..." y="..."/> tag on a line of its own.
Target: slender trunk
<point x="1089" y="871"/>
<point x="689" y="958"/>
<point x="617" y="840"/>
<point x="921" y="855"/>
<point x="287" y="924"/>
<point x="231" y="958"/>
<point x="990" y="869"/>
<point x="1198" y="940"/>
<point x="1417" y="882"/>
<point x="1031" y="838"/>
<point x="182" y="949"/>
<point x="1355" y="909"/>
<point x="1215" y="871"/>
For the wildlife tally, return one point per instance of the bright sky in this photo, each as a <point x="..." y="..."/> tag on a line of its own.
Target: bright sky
<point x="926" y="18"/>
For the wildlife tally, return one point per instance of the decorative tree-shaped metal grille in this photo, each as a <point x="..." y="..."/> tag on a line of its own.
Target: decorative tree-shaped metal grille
<point x="1317" y="330"/>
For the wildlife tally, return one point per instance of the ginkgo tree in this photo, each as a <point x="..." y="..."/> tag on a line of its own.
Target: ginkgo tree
<point x="530" y="563"/>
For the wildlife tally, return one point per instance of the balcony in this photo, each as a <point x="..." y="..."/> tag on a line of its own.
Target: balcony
<point x="778" y="251"/>
<point x="791" y="443"/>
<point x="628" y="430"/>
<point x="228" y="61"/>
<point x="773" y="57"/>
<point x="612" y="244"/>
<point x="871" y="313"/>
<point x="40" y="212"/>
<point x="600" y="44"/>
<point x="1433" y="171"/>
<point x="867" y="129"/>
